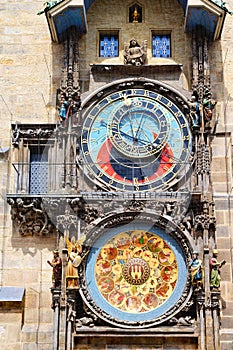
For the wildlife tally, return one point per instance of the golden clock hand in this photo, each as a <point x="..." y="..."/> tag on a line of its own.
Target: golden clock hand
<point x="139" y="127"/>
<point x="146" y="136"/>
<point x="131" y="123"/>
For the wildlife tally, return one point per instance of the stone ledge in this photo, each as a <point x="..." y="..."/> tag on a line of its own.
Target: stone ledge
<point x="137" y="70"/>
<point x="146" y="332"/>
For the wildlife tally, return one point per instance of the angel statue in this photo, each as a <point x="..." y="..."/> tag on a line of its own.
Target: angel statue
<point x="74" y="260"/>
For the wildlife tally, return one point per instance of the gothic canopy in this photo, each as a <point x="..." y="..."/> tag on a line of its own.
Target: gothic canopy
<point x="63" y="14"/>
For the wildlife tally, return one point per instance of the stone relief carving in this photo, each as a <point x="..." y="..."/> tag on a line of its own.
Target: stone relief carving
<point x="20" y="132"/>
<point x="135" y="54"/>
<point x="206" y="218"/>
<point x="186" y="321"/>
<point x="30" y="217"/>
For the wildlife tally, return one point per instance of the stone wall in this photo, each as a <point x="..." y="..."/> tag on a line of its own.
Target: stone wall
<point x="30" y="68"/>
<point x="221" y="167"/>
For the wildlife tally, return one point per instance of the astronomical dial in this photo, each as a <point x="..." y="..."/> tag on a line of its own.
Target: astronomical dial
<point x="136" y="140"/>
<point x="136" y="273"/>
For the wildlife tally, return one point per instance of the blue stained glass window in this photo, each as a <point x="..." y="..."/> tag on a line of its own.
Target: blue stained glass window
<point x="161" y="45"/>
<point x="108" y="45"/>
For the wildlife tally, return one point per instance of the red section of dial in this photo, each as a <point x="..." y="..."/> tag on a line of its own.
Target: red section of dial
<point x="104" y="162"/>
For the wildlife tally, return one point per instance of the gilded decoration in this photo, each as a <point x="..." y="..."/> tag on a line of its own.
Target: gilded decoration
<point x="136" y="271"/>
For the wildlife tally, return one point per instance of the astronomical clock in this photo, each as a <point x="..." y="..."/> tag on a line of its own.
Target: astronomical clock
<point x="135" y="140"/>
<point x="136" y="144"/>
<point x="123" y="175"/>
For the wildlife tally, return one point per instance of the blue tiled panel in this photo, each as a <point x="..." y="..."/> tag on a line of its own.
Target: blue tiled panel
<point x="161" y="46"/>
<point x="109" y="45"/>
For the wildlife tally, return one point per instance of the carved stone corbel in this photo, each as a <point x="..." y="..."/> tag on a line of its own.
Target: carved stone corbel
<point x="67" y="223"/>
<point x="83" y="210"/>
<point x="30" y="216"/>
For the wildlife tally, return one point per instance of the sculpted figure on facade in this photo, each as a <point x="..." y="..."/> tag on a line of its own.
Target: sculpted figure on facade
<point x="194" y="112"/>
<point x="208" y="106"/>
<point x="134" y="54"/>
<point x="215" y="270"/>
<point x="56" y="264"/>
<point x="64" y="108"/>
<point x="74" y="260"/>
<point x="196" y="270"/>
<point x="48" y="5"/>
<point x="69" y="107"/>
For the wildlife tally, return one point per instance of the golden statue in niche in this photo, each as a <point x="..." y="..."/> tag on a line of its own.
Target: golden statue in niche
<point x="74" y="260"/>
<point x="135" y="15"/>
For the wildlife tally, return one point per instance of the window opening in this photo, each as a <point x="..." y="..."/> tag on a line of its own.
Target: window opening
<point x="161" y="45"/>
<point x="109" y="45"/>
<point x="38" y="182"/>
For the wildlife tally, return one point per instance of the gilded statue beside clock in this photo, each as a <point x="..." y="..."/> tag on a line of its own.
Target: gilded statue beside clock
<point x="135" y="140"/>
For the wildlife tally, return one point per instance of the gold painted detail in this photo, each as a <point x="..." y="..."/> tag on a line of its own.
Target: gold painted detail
<point x="136" y="271"/>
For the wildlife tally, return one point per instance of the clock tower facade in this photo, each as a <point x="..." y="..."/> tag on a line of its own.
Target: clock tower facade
<point x="120" y="181"/>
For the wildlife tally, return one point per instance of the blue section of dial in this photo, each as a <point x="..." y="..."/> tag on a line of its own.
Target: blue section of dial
<point x="136" y="139"/>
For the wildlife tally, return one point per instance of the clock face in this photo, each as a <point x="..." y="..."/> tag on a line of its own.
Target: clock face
<point x="136" y="272"/>
<point x="136" y="140"/>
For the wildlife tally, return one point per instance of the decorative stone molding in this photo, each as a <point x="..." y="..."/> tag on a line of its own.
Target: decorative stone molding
<point x="20" y="131"/>
<point x="201" y="70"/>
<point x="203" y="160"/>
<point x="56" y="294"/>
